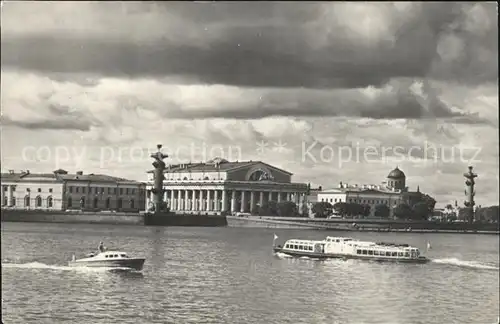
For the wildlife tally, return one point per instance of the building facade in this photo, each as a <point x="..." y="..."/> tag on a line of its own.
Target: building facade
<point x="220" y="186"/>
<point x="391" y="193"/>
<point x="62" y="191"/>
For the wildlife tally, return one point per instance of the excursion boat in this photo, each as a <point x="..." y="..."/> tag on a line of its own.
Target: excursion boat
<point x="348" y="248"/>
<point x="108" y="259"/>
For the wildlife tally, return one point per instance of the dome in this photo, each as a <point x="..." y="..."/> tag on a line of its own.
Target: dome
<point x="396" y="174"/>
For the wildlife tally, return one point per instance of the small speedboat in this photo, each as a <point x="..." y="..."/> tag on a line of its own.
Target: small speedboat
<point x="108" y="259"/>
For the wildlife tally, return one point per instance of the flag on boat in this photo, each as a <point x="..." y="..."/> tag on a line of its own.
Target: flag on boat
<point x="275" y="236"/>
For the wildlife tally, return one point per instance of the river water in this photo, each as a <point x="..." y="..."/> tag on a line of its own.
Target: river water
<point x="229" y="275"/>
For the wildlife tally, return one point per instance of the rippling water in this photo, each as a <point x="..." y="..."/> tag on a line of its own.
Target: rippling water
<point x="229" y="275"/>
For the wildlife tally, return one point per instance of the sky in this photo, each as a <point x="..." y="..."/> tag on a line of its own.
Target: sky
<point x="330" y="91"/>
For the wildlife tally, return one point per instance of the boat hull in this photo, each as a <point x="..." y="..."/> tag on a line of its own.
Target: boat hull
<point x="316" y="255"/>
<point x="135" y="264"/>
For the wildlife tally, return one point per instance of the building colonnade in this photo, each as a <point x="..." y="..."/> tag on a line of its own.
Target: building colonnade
<point x="225" y="200"/>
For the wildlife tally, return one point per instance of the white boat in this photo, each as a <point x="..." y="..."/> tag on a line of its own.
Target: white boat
<point x="348" y="248"/>
<point x="108" y="259"/>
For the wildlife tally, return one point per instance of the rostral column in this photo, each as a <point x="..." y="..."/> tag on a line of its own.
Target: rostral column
<point x="470" y="193"/>
<point x="159" y="168"/>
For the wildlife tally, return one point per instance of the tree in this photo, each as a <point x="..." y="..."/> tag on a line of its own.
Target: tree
<point x="269" y="208"/>
<point x="287" y="209"/>
<point x="322" y="209"/>
<point x="382" y="210"/>
<point x="366" y="210"/>
<point x="403" y="211"/>
<point x="342" y="208"/>
<point x="421" y="211"/>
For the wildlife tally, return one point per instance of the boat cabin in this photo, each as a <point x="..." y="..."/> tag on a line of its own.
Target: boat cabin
<point x="114" y="255"/>
<point x="304" y="246"/>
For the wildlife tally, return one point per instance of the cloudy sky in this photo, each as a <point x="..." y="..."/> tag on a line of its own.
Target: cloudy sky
<point x="329" y="91"/>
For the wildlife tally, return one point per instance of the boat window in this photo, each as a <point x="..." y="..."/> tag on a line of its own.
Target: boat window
<point x="296" y="247"/>
<point x="394" y="254"/>
<point x="400" y="254"/>
<point x="107" y="256"/>
<point x="375" y="252"/>
<point x="364" y="252"/>
<point x="407" y="254"/>
<point x="370" y="252"/>
<point x="123" y="255"/>
<point x="387" y="253"/>
<point x="417" y="253"/>
<point x="358" y="251"/>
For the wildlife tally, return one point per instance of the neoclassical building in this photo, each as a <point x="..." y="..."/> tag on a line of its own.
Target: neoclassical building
<point x="219" y="186"/>
<point x="391" y="192"/>
<point x="61" y="190"/>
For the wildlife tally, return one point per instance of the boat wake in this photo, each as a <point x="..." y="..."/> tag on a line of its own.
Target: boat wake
<point x="43" y="266"/>
<point x="465" y="264"/>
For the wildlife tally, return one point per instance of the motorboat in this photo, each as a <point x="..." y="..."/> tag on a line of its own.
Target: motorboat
<point x="108" y="259"/>
<point x="348" y="248"/>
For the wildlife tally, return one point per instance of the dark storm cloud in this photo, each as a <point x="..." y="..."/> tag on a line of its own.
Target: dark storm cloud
<point x="261" y="45"/>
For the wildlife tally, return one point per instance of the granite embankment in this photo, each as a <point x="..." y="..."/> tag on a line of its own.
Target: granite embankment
<point x="113" y="218"/>
<point x="77" y="217"/>
<point x="371" y="225"/>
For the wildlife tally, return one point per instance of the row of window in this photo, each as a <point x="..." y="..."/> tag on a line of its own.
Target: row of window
<point x="387" y="253"/>
<point x="39" y="200"/>
<point x="116" y="256"/>
<point x="5" y="188"/>
<point x="360" y="201"/>
<point x="95" y="203"/>
<point x="299" y="247"/>
<point x="27" y="201"/>
<point x="97" y="190"/>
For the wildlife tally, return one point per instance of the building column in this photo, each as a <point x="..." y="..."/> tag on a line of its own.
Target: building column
<point x="252" y="200"/>
<point x="261" y="199"/>
<point x="201" y="205"/>
<point x="172" y="200"/>
<point x="233" y="201"/>
<point x="216" y="200"/>
<point x="288" y="198"/>
<point x="243" y="202"/>
<point x="270" y="198"/>
<point x="193" y="200"/>
<point x="279" y="197"/>
<point x="186" y="200"/>
<point x="209" y="201"/>
<point x="224" y="200"/>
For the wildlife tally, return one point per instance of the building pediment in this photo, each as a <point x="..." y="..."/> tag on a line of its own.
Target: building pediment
<point x="259" y="171"/>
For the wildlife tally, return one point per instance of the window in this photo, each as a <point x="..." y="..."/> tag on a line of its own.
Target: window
<point x="358" y="251"/>
<point x="82" y="202"/>
<point x="119" y="203"/>
<point x="132" y="203"/>
<point x="296" y="247"/>
<point x="84" y="189"/>
<point x="394" y="254"/>
<point x="407" y="254"/>
<point x="77" y="189"/>
<point x="27" y="189"/>
<point x="370" y="252"/>
<point x="108" y="203"/>
<point x="39" y="189"/>
<point x="70" y="189"/>
<point x="38" y="201"/>
<point x="13" y="201"/>
<point x="49" y="201"/>
<point x="27" y="201"/>
<point x="400" y="254"/>
<point x="365" y="252"/>
<point x="387" y="253"/>
<point x="50" y="189"/>
<point x="4" y="201"/>
<point x="95" y="202"/>
<point x="70" y="202"/>
<point x="375" y="252"/>
<point x="121" y="191"/>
